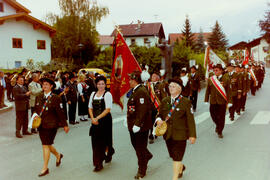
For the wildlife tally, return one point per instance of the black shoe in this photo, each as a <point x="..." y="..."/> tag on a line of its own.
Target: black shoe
<point x="232" y="118"/>
<point x="27" y="133"/>
<point x="44" y="173"/>
<point x="18" y="135"/>
<point x="220" y="136"/>
<point x="77" y="122"/>
<point x="181" y="174"/>
<point x="33" y="131"/>
<point x="108" y="157"/>
<point x="98" y="168"/>
<point x="59" y="162"/>
<point x="238" y="113"/>
<point x="83" y="119"/>
<point x="139" y="176"/>
<point x="151" y="141"/>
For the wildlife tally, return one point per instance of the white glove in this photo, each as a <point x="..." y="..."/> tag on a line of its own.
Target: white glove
<point x="206" y="103"/>
<point x="136" y="129"/>
<point x="230" y="105"/>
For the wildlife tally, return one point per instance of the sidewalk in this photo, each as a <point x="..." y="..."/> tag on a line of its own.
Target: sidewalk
<point x="9" y="107"/>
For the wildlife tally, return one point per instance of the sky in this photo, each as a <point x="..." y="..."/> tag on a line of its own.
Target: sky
<point x="239" y="19"/>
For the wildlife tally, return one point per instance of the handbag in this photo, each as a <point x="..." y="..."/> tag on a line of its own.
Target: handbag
<point x="37" y="118"/>
<point x="161" y="130"/>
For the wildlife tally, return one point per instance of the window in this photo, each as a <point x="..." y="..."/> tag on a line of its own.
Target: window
<point x="17" y="43"/>
<point x="146" y="41"/>
<point x="1" y="7"/>
<point x="41" y="44"/>
<point x="18" y="64"/>
<point x="133" y="42"/>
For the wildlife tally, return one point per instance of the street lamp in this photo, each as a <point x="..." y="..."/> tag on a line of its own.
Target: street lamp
<point x="80" y="47"/>
<point x="167" y="52"/>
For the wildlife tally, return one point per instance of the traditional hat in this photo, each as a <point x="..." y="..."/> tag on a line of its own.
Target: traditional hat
<point x="218" y="66"/>
<point x="136" y="75"/>
<point x="42" y="80"/>
<point x="177" y="81"/>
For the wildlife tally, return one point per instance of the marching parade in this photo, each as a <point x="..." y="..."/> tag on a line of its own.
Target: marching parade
<point x="130" y="105"/>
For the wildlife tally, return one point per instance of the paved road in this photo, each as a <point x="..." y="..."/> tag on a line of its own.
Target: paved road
<point x="243" y="154"/>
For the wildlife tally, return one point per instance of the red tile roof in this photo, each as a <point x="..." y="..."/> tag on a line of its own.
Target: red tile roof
<point x="143" y="29"/>
<point x="105" y="40"/>
<point x="239" y="46"/>
<point x="174" y="36"/>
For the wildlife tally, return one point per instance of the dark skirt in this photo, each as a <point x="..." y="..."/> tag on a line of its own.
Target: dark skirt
<point x="83" y="106"/>
<point x="101" y="136"/>
<point x="47" y="135"/>
<point x="176" y="149"/>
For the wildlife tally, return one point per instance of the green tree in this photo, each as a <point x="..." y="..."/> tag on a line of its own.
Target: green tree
<point x="217" y="39"/>
<point x="265" y="24"/>
<point x="148" y="56"/>
<point x="103" y="60"/>
<point x="30" y="65"/>
<point x="200" y="46"/>
<point x="76" y="25"/>
<point x="181" y="56"/>
<point x="187" y="34"/>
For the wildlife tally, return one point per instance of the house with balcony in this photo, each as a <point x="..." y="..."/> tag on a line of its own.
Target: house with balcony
<point x="142" y="34"/>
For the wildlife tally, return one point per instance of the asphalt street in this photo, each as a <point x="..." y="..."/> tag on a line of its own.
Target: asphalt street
<point x="243" y="153"/>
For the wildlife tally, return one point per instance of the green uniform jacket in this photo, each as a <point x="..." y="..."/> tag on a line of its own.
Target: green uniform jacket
<point x="235" y="83"/>
<point x="139" y="109"/>
<point x="195" y="84"/>
<point x="181" y="125"/>
<point x="244" y="82"/>
<point x="214" y="95"/>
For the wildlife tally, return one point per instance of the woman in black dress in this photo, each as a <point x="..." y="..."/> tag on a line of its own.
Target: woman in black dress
<point x="100" y="105"/>
<point x="83" y="99"/>
<point x="176" y="109"/>
<point x="50" y="109"/>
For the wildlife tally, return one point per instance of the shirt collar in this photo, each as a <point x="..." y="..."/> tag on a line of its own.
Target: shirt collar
<point x="136" y="87"/>
<point x="47" y="95"/>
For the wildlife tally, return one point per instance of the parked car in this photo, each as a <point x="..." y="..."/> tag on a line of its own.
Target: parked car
<point x="99" y="71"/>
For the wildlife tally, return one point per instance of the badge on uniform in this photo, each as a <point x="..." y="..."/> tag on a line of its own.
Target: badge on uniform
<point x="46" y="109"/>
<point x="61" y="105"/>
<point x="142" y="100"/>
<point x="177" y="109"/>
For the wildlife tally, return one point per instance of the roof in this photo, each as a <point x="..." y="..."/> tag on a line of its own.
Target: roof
<point x="174" y="36"/>
<point x="17" y="6"/>
<point x="254" y="42"/>
<point x="105" y="40"/>
<point x="239" y="46"/>
<point x="36" y="23"/>
<point x="141" y="29"/>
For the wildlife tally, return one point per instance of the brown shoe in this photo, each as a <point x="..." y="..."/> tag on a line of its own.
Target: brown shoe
<point x="18" y="135"/>
<point x="27" y="133"/>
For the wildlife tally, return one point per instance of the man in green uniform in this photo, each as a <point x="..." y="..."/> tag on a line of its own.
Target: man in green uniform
<point x="139" y="121"/>
<point x="194" y="79"/>
<point x="218" y="91"/>
<point x="239" y="88"/>
<point x="234" y="83"/>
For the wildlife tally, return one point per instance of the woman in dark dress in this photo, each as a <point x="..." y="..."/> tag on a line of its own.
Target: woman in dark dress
<point x="83" y="99"/>
<point x="100" y="105"/>
<point x="176" y="109"/>
<point x="50" y="109"/>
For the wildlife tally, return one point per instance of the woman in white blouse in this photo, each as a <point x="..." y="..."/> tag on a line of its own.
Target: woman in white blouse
<point x="83" y="99"/>
<point x="100" y="105"/>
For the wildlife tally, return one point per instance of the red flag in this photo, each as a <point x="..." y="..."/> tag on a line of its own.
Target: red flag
<point x="124" y="63"/>
<point x="246" y="57"/>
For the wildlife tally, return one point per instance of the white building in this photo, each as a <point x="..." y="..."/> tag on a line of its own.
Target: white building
<point x="142" y="34"/>
<point x="22" y="36"/>
<point x="259" y="49"/>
